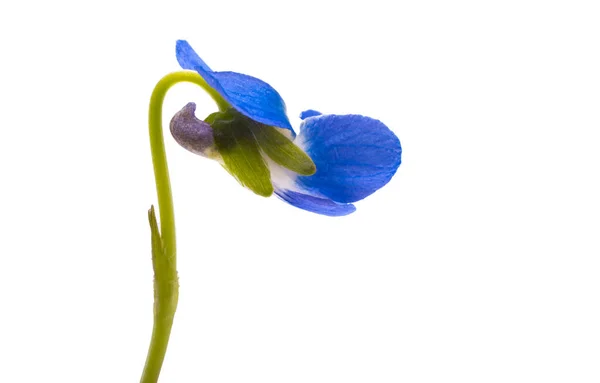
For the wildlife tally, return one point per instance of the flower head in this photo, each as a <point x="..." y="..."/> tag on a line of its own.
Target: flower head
<point x="334" y="161"/>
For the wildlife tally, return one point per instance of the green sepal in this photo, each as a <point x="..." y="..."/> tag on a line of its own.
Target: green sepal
<point x="282" y="150"/>
<point x="240" y="151"/>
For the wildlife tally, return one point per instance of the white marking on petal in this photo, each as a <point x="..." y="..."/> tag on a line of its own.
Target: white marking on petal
<point x="300" y="142"/>
<point x="282" y="178"/>
<point x="286" y="132"/>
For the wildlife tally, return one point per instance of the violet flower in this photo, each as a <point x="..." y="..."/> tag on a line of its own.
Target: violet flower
<point x="334" y="161"/>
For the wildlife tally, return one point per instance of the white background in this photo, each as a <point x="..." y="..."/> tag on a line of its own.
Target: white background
<point x="477" y="263"/>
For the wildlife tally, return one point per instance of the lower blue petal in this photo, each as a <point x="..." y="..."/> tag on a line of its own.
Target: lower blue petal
<point x="250" y="96"/>
<point x="354" y="155"/>
<point x="314" y="204"/>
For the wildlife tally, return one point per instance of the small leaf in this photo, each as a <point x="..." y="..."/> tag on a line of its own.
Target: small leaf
<point x="241" y="154"/>
<point x="282" y="150"/>
<point x="158" y="255"/>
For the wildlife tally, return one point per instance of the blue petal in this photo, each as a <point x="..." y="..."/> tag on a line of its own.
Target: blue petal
<point x="314" y="204"/>
<point x="309" y="113"/>
<point x="188" y="58"/>
<point x="354" y="155"/>
<point x="253" y="98"/>
<point x="250" y="96"/>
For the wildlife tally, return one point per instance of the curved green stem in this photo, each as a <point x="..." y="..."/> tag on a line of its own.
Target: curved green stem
<point x="159" y="159"/>
<point x="164" y="261"/>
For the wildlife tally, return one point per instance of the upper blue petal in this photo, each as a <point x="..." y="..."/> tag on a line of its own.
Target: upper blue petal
<point x="313" y="204"/>
<point x="309" y="113"/>
<point x="354" y="155"/>
<point x="188" y="58"/>
<point x="252" y="97"/>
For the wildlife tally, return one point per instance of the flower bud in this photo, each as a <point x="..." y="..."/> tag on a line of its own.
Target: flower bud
<point x="193" y="134"/>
